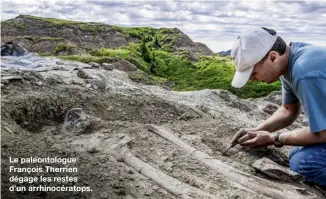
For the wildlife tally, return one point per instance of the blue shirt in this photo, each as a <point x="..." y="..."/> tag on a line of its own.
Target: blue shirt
<point x="305" y="82"/>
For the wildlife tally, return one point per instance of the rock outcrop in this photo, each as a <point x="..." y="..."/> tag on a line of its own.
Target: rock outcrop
<point x="224" y="53"/>
<point x="43" y="35"/>
<point x="11" y="49"/>
<point x="134" y="140"/>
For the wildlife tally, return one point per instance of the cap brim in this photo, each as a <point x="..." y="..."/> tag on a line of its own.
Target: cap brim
<point x="241" y="78"/>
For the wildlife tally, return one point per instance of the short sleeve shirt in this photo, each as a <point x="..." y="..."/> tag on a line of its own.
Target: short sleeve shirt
<point x="305" y="82"/>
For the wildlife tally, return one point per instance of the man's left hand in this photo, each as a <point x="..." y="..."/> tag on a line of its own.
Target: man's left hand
<point x="256" y="139"/>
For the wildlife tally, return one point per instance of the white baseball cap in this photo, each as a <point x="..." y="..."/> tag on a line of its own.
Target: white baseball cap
<point x="250" y="48"/>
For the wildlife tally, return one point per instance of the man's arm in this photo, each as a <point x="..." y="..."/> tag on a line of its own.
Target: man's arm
<point x="282" y="118"/>
<point x="303" y="137"/>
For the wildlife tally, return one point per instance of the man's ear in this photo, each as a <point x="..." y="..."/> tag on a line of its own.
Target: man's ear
<point x="272" y="56"/>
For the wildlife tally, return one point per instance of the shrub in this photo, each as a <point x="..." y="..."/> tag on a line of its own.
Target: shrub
<point x="62" y="47"/>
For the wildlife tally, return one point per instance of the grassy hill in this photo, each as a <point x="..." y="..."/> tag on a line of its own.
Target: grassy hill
<point x="210" y="72"/>
<point x="164" y="53"/>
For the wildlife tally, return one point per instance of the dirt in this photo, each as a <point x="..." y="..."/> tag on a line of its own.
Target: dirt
<point x="32" y="118"/>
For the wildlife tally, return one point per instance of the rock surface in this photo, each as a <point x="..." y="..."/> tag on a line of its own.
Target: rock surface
<point x="276" y="171"/>
<point x="42" y="35"/>
<point x="33" y="123"/>
<point x="11" y="49"/>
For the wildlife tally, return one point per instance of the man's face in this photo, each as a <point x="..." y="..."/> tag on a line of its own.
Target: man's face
<point x="266" y="71"/>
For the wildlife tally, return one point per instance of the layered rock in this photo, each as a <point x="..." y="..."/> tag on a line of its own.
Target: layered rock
<point x="43" y="35"/>
<point x="59" y="113"/>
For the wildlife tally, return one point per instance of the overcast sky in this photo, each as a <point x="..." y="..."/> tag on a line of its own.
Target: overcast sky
<point x="214" y="23"/>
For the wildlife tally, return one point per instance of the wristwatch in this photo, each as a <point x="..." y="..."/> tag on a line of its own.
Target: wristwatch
<point x="277" y="142"/>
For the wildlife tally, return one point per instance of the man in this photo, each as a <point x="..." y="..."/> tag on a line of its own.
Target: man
<point x="260" y="54"/>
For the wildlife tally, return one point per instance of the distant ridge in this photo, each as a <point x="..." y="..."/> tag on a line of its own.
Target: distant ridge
<point x="44" y="35"/>
<point x="224" y="53"/>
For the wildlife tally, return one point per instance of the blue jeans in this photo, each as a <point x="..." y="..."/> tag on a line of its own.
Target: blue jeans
<point x="310" y="161"/>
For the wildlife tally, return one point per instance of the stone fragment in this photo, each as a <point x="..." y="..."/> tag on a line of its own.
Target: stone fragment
<point x="14" y="70"/>
<point x="11" y="49"/>
<point x="126" y="66"/>
<point x="60" y="63"/>
<point x="39" y="83"/>
<point x="94" y="64"/>
<point x="96" y="83"/>
<point x="104" y="195"/>
<point x="276" y="171"/>
<point x="11" y="78"/>
<point x="93" y="150"/>
<point x="93" y="77"/>
<point x="107" y="66"/>
<point x="82" y="74"/>
<point x="77" y="122"/>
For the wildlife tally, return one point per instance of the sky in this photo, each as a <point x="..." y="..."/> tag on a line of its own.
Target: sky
<point x="214" y="23"/>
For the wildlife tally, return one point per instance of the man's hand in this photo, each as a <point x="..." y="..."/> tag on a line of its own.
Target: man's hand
<point x="256" y="139"/>
<point x="239" y="134"/>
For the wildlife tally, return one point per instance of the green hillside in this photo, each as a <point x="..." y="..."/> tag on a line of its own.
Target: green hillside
<point x="152" y="50"/>
<point x="211" y="72"/>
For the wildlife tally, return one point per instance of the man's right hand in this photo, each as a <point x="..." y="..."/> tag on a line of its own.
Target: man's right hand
<point x="241" y="133"/>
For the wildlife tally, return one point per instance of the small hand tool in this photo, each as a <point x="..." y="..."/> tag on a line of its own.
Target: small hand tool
<point x="231" y="146"/>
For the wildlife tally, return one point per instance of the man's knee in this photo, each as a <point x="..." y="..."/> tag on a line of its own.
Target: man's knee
<point x="296" y="159"/>
<point x="309" y="162"/>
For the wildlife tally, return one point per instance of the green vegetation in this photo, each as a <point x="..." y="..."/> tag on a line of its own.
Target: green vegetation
<point x="138" y="32"/>
<point x="50" y="39"/>
<point x="208" y="73"/>
<point x="218" y="72"/>
<point x="13" y="23"/>
<point x="50" y="20"/>
<point x="105" y="52"/>
<point x="155" y="53"/>
<point x="211" y="72"/>
<point x="84" y="26"/>
<point x="163" y="38"/>
<point x="44" y="54"/>
<point x="38" y="39"/>
<point x="93" y="27"/>
<point x="25" y="37"/>
<point x="160" y="80"/>
<point x="62" y="47"/>
<point x="87" y="59"/>
<point x="130" y="53"/>
<point x="168" y="37"/>
<point x="156" y="44"/>
<point x="153" y="64"/>
<point x="5" y="23"/>
<point x="144" y="51"/>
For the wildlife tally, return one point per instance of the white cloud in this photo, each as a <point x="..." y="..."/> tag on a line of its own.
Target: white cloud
<point x="215" y="23"/>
